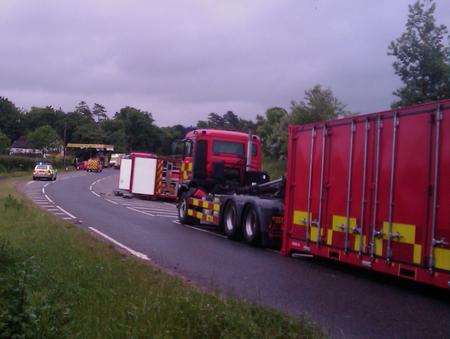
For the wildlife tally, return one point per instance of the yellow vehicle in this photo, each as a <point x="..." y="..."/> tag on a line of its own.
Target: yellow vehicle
<point x="44" y="171"/>
<point x="94" y="165"/>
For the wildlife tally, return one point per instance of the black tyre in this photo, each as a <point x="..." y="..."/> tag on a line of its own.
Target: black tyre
<point x="183" y="217"/>
<point x="251" y="226"/>
<point x="230" y="221"/>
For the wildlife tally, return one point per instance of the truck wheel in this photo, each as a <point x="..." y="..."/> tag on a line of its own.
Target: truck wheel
<point x="230" y="221"/>
<point x="251" y="226"/>
<point x="183" y="217"/>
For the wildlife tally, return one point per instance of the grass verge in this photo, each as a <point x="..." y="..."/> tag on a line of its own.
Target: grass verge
<point x="58" y="281"/>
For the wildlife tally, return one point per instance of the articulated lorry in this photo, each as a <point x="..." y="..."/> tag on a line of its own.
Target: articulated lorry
<point x="366" y="190"/>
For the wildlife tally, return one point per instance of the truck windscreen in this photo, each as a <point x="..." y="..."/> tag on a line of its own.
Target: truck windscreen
<point x="228" y="147"/>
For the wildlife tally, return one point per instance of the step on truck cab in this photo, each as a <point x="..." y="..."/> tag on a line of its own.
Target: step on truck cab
<point x="367" y="190"/>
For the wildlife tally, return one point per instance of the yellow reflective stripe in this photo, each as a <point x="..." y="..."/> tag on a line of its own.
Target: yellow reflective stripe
<point x="407" y="232"/>
<point x="329" y="237"/>
<point x="300" y="218"/>
<point x="379" y="247"/>
<point x="442" y="258"/>
<point x="195" y="202"/>
<point x="340" y="221"/>
<point x="199" y="215"/>
<point x="205" y="204"/>
<point x="216" y="207"/>
<point x="417" y="254"/>
<point x="190" y="212"/>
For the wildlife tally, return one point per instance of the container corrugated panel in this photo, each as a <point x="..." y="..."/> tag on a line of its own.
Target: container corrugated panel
<point x="374" y="190"/>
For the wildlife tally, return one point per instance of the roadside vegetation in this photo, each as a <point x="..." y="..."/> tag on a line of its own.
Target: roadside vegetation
<point x="58" y="281"/>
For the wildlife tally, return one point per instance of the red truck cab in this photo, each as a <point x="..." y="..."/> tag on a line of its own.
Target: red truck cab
<point x="221" y="155"/>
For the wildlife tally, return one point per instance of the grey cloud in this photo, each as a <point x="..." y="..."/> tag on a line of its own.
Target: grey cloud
<point x="183" y="59"/>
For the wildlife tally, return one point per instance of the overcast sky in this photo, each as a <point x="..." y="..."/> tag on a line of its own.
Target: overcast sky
<point x="181" y="60"/>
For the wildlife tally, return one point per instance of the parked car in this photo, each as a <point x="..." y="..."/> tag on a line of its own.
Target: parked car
<point x="44" y="171"/>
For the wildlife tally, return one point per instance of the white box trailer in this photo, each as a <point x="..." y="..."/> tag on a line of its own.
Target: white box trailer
<point x="143" y="173"/>
<point x="125" y="175"/>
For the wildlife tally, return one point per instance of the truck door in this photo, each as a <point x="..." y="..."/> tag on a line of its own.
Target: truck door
<point x="200" y="158"/>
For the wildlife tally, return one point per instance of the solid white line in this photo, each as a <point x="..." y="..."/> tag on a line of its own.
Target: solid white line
<point x="112" y="202"/>
<point x="59" y="213"/>
<point x="67" y="218"/>
<point x="133" y="252"/>
<point x="166" y="215"/>
<point x="133" y="209"/>
<point x="95" y="193"/>
<point x="53" y="209"/>
<point x="201" y="230"/>
<point x="157" y="209"/>
<point x="70" y="215"/>
<point x="30" y="182"/>
<point x="48" y="198"/>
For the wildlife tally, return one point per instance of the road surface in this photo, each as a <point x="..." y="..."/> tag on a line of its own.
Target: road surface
<point x="346" y="302"/>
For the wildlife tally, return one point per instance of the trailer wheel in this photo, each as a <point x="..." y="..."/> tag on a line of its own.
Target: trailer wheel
<point x="230" y="221"/>
<point x="251" y="226"/>
<point x="183" y="217"/>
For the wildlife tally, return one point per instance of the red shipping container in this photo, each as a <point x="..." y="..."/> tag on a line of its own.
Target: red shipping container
<point x="373" y="190"/>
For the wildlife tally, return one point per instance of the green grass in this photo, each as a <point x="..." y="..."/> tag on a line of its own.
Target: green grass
<point x="57" y="281"/>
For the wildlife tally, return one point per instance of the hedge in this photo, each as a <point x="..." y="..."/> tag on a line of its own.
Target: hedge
<point x="13" y="163"/>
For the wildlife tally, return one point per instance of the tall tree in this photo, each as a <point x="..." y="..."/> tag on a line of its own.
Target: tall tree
<point x="319" y="104"/>
<point x="5" y="142"/>
<point x="41" y="116"/>
<point x="272" y="128"/>
<point x="11" y="119"/>
<point x="44" y="138"/>
<point x="83" y="108"/>
<point x="99" y="112"/>
<point x="422" y="59"/>
<point x="141" y="132"/>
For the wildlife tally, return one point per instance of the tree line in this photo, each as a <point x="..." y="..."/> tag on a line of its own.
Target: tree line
<point x="422" y="61"/>
<point x="132" y="129"/>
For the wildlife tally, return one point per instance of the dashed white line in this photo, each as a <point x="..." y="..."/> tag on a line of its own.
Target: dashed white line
<point x="133" y="252"/>
<point x="146" y="213"/>
<point x="112" y="202"/>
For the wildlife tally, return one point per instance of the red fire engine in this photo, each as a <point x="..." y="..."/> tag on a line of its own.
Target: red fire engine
<point x="369" y="190"/>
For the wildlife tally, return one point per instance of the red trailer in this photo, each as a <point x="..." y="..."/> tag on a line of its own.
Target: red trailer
<point x="373" y="190"/>
<point x="368" y="190"/>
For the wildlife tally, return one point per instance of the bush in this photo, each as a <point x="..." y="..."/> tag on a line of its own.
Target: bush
<point x="13" y="163"/>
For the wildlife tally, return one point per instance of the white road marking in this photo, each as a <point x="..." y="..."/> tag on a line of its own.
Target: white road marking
<point x="133" y="252"/>
<point x="133" y="209"/>
<point x="96" y="194"/>
<point x="156" y="210"/>
<point x="70" y="215"/>
<point x="67" y="218"/>
<point x="200" y="229"/>
<point x="166" y="215"/>
<point x="112" y="202"/>
<point x="48" y="198"/>
<point x="30" y="182"/>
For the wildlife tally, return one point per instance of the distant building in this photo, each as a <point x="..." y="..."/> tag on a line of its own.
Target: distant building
<point x="22" y="147"/>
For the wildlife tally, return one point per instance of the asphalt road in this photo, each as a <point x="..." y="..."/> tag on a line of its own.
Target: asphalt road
<point x="346" y="302"/>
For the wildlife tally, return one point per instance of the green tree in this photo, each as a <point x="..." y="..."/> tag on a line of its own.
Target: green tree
<point x="140" y="130"/>
<point x="11" y="119"/>
<point x="228" y="121"/>
<point x="272" y="128"/>
<point x="319" y="104"/>
<point x="421" y="57"/>
<point x="44" y="138"/>
<point x="41" y="116"/>
<point x="114" y="134"/>
<point x="5" y="142"/>
<point x="83" y="108"/>
<point x="99" y="112"/>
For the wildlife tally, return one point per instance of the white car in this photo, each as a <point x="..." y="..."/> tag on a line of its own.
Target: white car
<point x="44" y="171"/>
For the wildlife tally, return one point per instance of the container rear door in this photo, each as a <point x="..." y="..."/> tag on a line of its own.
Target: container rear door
<point x="144" y="175"/>
<point x="125" y="174"/>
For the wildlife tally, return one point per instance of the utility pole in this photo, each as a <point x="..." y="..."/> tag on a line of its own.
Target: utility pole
<point x="65" y="143"/>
